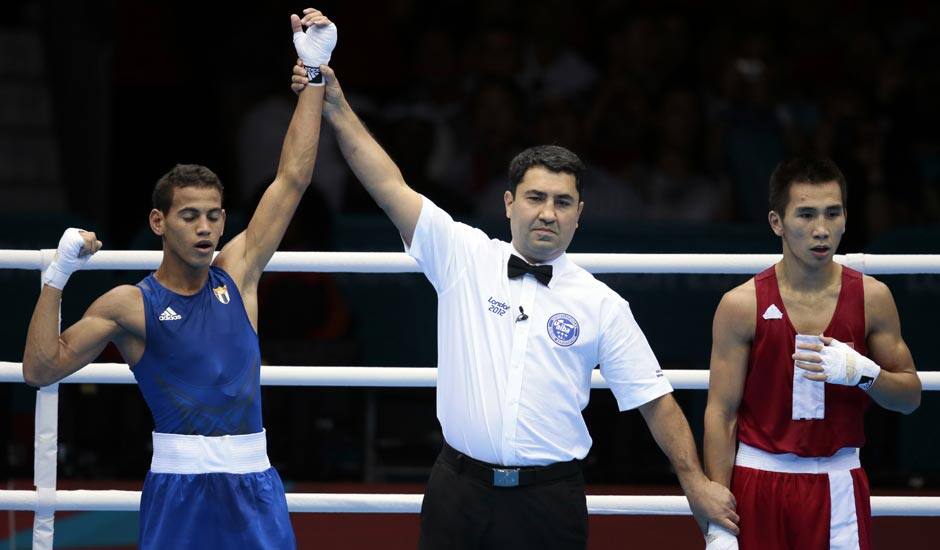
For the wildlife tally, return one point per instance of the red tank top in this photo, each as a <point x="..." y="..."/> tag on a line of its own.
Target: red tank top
<point x="765" y="413"/>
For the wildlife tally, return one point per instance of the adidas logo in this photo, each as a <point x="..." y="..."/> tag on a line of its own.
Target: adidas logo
<point x="170" y="315"/>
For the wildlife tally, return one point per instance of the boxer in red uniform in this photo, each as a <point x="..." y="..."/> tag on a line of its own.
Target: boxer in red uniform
<point x="798" y="354"/>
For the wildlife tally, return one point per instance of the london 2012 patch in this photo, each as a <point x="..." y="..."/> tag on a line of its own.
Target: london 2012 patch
<point x="563" y="329"/>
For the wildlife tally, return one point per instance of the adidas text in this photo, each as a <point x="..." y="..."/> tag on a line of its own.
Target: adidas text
<point x="170" y="315"/>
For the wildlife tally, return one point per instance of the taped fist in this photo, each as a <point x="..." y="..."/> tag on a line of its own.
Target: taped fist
<point x="315" y="44"/>
<point x="75" y="248"/>
<point x="836" y="363"/>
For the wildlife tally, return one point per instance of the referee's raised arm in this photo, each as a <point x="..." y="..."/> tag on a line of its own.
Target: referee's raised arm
<point x="375" y="169"/>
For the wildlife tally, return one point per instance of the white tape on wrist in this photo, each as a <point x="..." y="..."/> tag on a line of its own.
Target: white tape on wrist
<point x="314" y="47"/>
<point x="847" y="367"/>
<point x="66" y="260"/>
<point x="719" y="538"/>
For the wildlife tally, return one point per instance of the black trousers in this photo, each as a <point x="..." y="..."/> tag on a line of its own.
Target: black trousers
<point x="461" y="512"/>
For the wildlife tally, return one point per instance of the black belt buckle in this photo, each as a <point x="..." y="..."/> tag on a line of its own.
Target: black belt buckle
<point x="505" y="477"/>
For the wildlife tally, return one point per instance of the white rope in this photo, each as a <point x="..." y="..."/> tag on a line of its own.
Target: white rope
<point x="398" y="262"/>
<point x="358" y="503"/>
<point x="364" y="377"/>
<point x="20" y="259"/>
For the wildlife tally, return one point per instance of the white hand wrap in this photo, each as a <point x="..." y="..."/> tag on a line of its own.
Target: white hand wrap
<point x="844" y="366"/>
<point x="314" y="47"/>
<point x="66" y="260"/>
<point x="719" y="538"/>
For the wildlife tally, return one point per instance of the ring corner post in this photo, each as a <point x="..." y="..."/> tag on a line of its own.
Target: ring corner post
<point x="46" y="450"/>
<point x="44" y="465"/>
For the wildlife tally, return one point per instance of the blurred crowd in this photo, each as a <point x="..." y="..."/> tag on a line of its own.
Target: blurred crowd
<point x="680" y="109"/>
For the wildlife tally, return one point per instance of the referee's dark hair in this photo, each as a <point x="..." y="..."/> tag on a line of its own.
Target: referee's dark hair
<point x="553" y="158"/>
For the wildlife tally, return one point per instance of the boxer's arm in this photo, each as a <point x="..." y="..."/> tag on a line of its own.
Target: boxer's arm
<point x="898" y="387"/>
<point x="732" y="333"/>
<point x="246" y="255"/>
<point x="50" y="356"/>
<point x="371" y="164"/>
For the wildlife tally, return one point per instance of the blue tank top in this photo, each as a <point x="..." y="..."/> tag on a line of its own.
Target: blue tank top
<point x="200" y="373"/>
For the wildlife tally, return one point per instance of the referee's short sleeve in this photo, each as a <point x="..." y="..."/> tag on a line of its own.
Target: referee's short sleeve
<point x="626" y="359"/>
<point x="441" y="246"/>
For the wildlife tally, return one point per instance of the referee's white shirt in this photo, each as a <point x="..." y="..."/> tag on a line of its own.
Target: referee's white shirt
<point x="511" y="392"/>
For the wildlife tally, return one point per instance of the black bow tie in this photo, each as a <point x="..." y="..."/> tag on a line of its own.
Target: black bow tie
<point x="518" y="267"/>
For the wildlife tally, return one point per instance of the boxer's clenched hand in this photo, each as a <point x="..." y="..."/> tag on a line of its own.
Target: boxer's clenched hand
<point x="315" y="44"/>
<point x="75" y="248"/>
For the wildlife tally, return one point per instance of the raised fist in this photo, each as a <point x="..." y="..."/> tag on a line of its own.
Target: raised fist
<point x="314" y="45"/>
<point x="75" y="248"/>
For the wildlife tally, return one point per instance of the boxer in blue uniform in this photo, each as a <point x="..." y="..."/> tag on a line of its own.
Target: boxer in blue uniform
<point x="189" y="333"/>
<point x="231" y="501"/>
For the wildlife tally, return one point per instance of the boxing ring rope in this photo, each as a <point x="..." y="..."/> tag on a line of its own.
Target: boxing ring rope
<point x="364" y="377"/>
<point x="366" y="503"/>
<point x="45" y="500"/>
<point x="397" y="262"/>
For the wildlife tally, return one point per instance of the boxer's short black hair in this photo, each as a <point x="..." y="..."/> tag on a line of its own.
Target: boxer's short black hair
<point x="812" y="170"/>
<point x="183" y="175"/>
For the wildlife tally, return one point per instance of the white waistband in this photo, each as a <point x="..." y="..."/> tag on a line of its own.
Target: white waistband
<point x="845" y="458"/>
<point x="199" y="454"/>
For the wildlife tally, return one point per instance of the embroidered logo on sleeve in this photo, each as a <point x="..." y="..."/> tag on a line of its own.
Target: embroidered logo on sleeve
<point x="170" y="315"/>
<point x="773" y="312"/>
<point x="563" y="329"/>
<point x="221" y="294"/>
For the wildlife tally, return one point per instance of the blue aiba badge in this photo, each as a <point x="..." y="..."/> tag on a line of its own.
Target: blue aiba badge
<point x="563" y="329"/>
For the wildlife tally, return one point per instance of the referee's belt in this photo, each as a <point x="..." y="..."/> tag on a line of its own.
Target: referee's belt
<point x="505" y="476"/>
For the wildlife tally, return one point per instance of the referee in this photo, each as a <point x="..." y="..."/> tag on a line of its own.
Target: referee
<point x="520" y="329"/>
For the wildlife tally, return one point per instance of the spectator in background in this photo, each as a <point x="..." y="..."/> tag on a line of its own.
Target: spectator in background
<point x="551" y="64"/>
<point x="434" y="95"/>
<point x="750" y="127"/>
<point x="678" y="187"/>
<point x="258" y="142"/>
<point x="495" y="134"/>
<point x="310" y="323"/>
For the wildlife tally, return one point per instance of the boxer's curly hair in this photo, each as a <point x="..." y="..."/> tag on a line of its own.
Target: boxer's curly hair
<point x="183" y="175"/>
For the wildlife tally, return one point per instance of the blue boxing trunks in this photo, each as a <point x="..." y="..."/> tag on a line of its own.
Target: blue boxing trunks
<point x="213" y="492"/>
